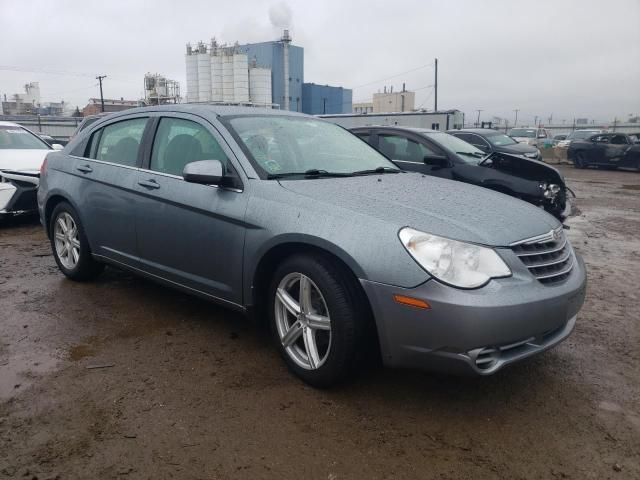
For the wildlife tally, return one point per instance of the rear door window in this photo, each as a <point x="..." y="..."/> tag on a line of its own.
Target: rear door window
<point x="119" y="142"/>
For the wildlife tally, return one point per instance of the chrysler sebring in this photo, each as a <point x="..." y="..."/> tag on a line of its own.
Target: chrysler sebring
<point x="298" y="222"/>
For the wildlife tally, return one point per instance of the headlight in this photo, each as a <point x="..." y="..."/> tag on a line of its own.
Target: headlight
<point x="550" y="191"/>
<point x="532" y="154"/>
<point x="456" y="263"/>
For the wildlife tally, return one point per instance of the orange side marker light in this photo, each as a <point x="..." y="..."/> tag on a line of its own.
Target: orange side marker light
<point x="411" y="301"/>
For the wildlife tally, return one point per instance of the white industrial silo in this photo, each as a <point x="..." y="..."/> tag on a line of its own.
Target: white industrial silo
<point x="191" y="60"/>
<point x="260" y="85"/>
<point x="227" y="77"/>
<point x="216" y="75"/>
<point x="240" y="78"/>
<point x="204" y="75"/>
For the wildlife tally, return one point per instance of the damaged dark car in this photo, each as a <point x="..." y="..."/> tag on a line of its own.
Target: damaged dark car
<point x="442" y="155"/>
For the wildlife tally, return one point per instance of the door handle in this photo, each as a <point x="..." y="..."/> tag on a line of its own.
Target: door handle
<point x="85" y="169"/>
<point x="151" y="183"/>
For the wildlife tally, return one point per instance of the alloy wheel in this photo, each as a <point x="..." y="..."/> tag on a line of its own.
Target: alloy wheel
<point x="303" y="321"/>
<point x="67" y="240"/>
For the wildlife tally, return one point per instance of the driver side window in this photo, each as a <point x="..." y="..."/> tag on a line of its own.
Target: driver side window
<point x="402" y="148"/>
<point x="178" y="142"/>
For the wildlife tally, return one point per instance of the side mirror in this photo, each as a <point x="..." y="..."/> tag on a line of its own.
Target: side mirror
<point x="206" y="172"/>
<point x="436" y="160"/>
<point x="57" y="146"/>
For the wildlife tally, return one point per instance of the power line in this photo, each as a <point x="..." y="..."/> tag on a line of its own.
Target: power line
<point x="12" y="68"/>
<point x="394" y="76"/>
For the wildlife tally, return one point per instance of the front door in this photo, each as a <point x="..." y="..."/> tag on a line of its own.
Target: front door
<point x="190" y="234"/>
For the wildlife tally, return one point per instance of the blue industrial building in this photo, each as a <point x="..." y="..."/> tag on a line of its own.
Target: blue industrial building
<point x="324" y="99"/>
<point x="271" y="55"/>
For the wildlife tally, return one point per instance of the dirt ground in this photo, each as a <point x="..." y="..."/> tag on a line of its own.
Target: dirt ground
<point x="189" y="390"/>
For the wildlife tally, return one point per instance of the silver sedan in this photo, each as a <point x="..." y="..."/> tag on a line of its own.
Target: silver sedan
<point x="303" y="225"/>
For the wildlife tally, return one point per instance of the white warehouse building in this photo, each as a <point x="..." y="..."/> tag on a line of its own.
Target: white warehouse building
<point x="219" y="73"/>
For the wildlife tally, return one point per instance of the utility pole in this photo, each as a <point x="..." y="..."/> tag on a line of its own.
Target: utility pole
<point x="478" y="122"/>
<point x="515" y="124"/>
<point x="535" y="121"/>
<point x="99" y="78"/>
<point x="435" y="106"/>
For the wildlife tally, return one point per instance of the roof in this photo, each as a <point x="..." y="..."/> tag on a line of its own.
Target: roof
<point x="399" y="127"/>
<point x="204" y="109"/>
<point x="9" y="124"/>
<point x="388" y="114"/>
<point x="480" y="131"/>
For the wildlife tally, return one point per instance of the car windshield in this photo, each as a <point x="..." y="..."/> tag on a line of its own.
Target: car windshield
<point x="523" y="132"/>
<point x="283" y="145"/>
<point x="15" y="137"/>
<point x="466" y="152"/>
<point x="581" y="134"/>
<point x="500" y="140"/>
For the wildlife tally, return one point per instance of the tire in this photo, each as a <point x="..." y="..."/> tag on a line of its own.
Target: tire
<point x="580" y="161"/>
<point x="71" y="250"/>
<point x="334" y="296"/>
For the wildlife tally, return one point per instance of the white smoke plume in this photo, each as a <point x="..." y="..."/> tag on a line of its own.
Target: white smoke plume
<point x="280" y="15"/>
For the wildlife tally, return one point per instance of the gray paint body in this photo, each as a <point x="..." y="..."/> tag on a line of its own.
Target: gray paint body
<point x="209" y="240"/>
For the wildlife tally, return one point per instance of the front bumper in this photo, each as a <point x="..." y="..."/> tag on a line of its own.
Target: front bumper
<point x="18" y="193"/>
<point x="475" y="331"/>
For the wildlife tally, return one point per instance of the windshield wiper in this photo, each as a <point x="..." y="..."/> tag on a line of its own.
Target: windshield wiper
<point x="376" y="171"/>
<point x="313" y="173"/>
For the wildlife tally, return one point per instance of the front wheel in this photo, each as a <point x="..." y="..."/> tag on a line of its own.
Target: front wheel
<point x="316" y="319"/>
<point x="70" y="246"/>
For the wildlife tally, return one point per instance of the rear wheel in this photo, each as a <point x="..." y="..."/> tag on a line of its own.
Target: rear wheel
<point x="581" y="160"/>
<point x="316" y="319"/>
<point x="70" y="246"/>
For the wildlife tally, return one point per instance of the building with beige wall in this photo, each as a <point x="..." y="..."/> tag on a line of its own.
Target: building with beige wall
<point x="386" y="102"/>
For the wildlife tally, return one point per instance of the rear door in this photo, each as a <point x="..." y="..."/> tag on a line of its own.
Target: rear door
<point x="190" y="234"/>
<point x="104" y="191"/>
<point x="619" y="144"/>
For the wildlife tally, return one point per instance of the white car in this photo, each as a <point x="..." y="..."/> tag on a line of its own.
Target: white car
<point x="21" y="155"/>
<point x="578" y="135"/>
<point x="533" y="136"/>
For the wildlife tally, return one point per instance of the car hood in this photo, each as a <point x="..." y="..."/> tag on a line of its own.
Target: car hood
<point x="518" y="148"/>
<point x="441" y="207"/>
<point x="22" y="160"/>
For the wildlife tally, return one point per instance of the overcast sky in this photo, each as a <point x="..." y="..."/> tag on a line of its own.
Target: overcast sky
<point x="566" y="58"/>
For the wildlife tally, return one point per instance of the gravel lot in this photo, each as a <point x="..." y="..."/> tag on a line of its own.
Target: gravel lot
<point x="189" y="390"/>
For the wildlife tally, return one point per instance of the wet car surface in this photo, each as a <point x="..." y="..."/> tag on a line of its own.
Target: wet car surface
<point x="122" y="378"/>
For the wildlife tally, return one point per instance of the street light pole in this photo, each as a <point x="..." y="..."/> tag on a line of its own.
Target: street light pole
<point x="99" y="78"/>
<point x="515" y="124"/>
<point x="478" y="122"/>
<point x="435" y="88"/>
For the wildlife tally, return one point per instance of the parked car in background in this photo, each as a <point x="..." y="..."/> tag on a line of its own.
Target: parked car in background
<point x="52" y="142"/>
<point x="443" y="155"/>
<point x="299" y="221"/>
<point x="86" y="122"/>
<point x="610" y="150"/>
<point x="558" y="138"/>
<point x="577" y="135"/>
<point x="489" y="141"/>
<point x="21" y="155"/>
<point x="536" y="136"/>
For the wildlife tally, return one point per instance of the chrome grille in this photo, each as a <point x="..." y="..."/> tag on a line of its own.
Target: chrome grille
<point x="548" y="257"/>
